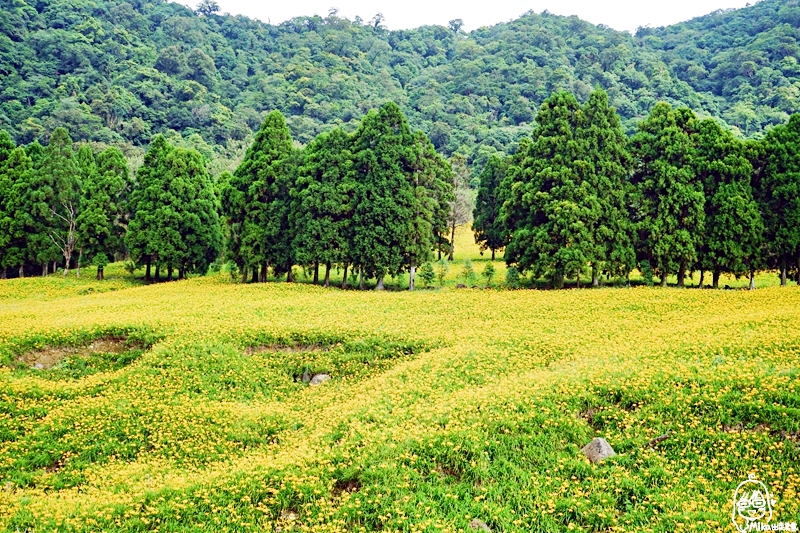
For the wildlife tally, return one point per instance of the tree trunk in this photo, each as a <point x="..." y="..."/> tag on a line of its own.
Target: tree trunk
<point x="158" y="272"/>
<point x="361" y="278"/>
<point x="379" y="286"/>
<point x="493" y="250"/>
<point x="100" y="276"/>
<point x="264" y="272"/>
<point x="440" y="253"/>
<point x="628" y="280"/>
<point x="254" y="279"/>
<point x="752" y="279"/>
<point x="715" y="279"/>
<point x="452" y="242"/>
<point x="412" y="274"/>
<point x="316" y="273"/>
<point x="147" y="271"/>
<point x="595" y="277"/>
<point x="327" y="274"/>
<point x="664" y="279"/>
<point x="702" y="277"/>
<point x="4" y="273"/>
<point x="798" y="271"/>
<point x="578" y="278"/>
<point x="169" y="273"/>
<point x="289" y="277"/>
<point x="44" y="270"/>
<point x="558" y="280"/>
<point x="244" y="274"/>
<point x="66" y="264"/>
<point x="784" y="275"/>
<point x="344" y="278"/>
<point x="55" y="267"/>
<point x="22" y="271"/>
<point x="682" y="275"/>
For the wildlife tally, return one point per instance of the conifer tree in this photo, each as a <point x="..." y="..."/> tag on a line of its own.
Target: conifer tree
<point x="323" y="202"/>
<point x="733" y="237"/>
<point x="17" y="224"/>
<point x="106" y="188"/>
<point x="383" y="155"/>
<point x="669" y="199"/>
<point x="548" y="210"/>
<point x="777" y="187"/>
<point x="256" y="201"/>
<point x="607" y="164"/>
<point x="489" y="231"/>
<point x="59" y="199"/>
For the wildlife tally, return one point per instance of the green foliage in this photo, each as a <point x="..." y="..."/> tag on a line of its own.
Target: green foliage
<point x="427" y="273"/>
<point x="488" y="272"/>
<point x="647" y="272"/>
<point x="468" y="273"/>
<point x="513" y="277"/>
<point x="489" y="230"/>
<point x="442" y="269"/>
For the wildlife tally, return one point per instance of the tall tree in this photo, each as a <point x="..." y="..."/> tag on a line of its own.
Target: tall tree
<point x="462" y="204"/>
<point x="61" y="174"/>
<point x="489" y="231"/>
<point x="383" y="155"/>
<point x="777" y="184"/>
<point x="432" y="179"/>
<point x="323" y="203"/>
<point x="606" y="165"/>
<point x="550" y="210"/>
<point x="106" y="191"/>
<point x="17" y="224"/>
<point x="733" y="237"/>
<point x="256" y="201"/>
<point x="669" y="199"/>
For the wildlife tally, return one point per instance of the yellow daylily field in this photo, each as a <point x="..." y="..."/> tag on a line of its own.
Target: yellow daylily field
<point x="443" y="406"/>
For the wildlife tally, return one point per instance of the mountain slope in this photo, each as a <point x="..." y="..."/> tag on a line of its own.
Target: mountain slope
<point x="118" y="72"/>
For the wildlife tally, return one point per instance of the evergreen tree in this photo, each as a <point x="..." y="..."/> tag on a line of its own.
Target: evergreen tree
<point x="256" y="201"/>
<point x="607" y="165"/>
<point x="6" y="148"/>
<point x="669" y="199"/>
<point x="383" y="154"/>
<point x="733" y="236"/>
<point x="59" y="199"/>
<point x="323" y="202"/>
<point x="17" y="224"/>
<point x="431" y="180"/>
<point x="550" y="210"/>
<point x="145" y="200"/>
<point x="489" y="231"/>
<point x="106" y="188"/>
<point x="777" y="187"/>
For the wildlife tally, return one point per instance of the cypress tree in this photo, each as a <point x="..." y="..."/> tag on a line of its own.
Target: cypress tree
<point x="256" y="200"/>
<point x="17" y="224"/>
<point x="777" y="187"/>
<point x="549" y="210"/>
<point x="669" y="200"/>
<point x="489" y="231"/>
<point x="607" y="165"/>
<point x="733" y="236"/>
<point x="323" y="202"/>
<point x="383" y="153"/>
<point x="105" y="196"/>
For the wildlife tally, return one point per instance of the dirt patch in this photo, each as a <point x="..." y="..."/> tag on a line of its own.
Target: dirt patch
<point x="351" y="486"/>
<point x="283" y="348"/>
<point x="50" y="356"/>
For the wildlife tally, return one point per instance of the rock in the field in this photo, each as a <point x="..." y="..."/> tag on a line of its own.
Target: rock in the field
<point x="306" y="376"/>
<point x="39" y="366"/>
<point x="319" y="379"/>
<point x="479" y="524"/>
<point x="597" y="450"/>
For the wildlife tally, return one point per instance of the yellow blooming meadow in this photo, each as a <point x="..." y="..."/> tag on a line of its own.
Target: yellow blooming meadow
<point x="443" y="407"/>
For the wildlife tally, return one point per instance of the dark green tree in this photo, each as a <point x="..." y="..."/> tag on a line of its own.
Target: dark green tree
<point x="489" y="231"/>
<point x="17" y="224"/>
<point x="383" y="154"/>
<point x="777" y="184"/>
<point x="323" y="203"/>
<point x="669" y="199"/>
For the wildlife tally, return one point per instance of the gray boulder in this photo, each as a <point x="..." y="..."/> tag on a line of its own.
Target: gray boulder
<point x="319" y="379"/>
<point x="479" y="524"/>
<point x="598" y="450"/>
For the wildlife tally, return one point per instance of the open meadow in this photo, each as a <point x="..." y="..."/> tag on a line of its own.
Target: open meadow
<point x="182" y="406"/>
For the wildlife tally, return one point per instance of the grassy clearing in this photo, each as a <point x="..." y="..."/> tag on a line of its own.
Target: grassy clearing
<point x="443" y="406"/>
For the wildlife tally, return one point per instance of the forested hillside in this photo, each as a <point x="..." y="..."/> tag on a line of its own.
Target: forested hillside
<point x="119" y="72"/>
<point x="746" y="60"/>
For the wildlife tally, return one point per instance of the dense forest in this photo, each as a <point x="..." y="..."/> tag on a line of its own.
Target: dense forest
<point x="118" y="72"/>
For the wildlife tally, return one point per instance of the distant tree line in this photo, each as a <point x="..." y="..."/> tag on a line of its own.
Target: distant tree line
<point x="681" y="195"/>
<point x="377" y="202"/>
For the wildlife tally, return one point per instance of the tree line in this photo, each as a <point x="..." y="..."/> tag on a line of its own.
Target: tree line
<point x="681" y="195"/>
<point x="377" y="201"/>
